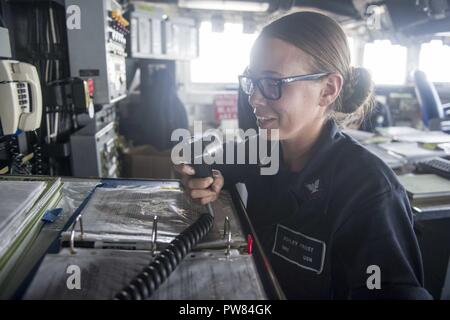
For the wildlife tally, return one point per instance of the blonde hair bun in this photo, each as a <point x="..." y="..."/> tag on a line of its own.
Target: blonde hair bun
<point x="357" y="90"/>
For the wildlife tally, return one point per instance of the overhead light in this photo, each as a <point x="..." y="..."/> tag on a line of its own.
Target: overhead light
<point x="224" y="5"/>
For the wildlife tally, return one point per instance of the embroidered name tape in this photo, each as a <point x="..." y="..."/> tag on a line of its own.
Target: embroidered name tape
<point x="299" y="249"/>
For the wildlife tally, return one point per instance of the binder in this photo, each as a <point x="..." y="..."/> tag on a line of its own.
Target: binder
<point x="223" y="246"/>
<point x="122" y="217"/>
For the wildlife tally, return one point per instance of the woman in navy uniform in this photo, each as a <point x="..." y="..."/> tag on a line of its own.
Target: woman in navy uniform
<point x="334" y="221"/>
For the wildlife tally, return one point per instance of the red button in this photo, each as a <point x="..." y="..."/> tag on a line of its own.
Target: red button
<point x="249" y="244"/>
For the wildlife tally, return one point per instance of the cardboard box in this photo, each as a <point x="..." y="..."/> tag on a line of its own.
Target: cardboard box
<point x="148" y="162"/>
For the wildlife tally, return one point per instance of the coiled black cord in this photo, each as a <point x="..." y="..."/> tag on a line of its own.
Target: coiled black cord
<point x="149" y="280"/>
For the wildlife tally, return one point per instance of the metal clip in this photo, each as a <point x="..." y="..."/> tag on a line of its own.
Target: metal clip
<point x="227" y="235"/>
<point x="79" y="219"/>
<point x="154" y="234"/>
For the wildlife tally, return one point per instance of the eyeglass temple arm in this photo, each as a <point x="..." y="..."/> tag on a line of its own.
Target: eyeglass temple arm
<point x="314" y="76"/>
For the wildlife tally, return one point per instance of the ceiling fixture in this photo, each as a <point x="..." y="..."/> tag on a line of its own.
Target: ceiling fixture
<point x="225" y="5"/>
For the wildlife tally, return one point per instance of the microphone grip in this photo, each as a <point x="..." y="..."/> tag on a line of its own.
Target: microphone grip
<point x="202" y="170"/>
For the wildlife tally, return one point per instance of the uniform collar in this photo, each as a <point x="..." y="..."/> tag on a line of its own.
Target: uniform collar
<point x="315" y="177"/>
<point x="324" y="148"/>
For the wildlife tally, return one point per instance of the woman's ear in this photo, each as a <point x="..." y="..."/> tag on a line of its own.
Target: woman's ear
<point x="332" y="86"/>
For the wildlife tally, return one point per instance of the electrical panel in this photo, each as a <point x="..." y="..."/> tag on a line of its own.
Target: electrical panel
<point x="157" y="35"/>
<point x="5" y="46"/>
<point x="145" y="33"/>
<point x="94" y="152"/>
<point x="97" y="47"/>
<point x="145" y="39"/>
<point x="180" y="38"/>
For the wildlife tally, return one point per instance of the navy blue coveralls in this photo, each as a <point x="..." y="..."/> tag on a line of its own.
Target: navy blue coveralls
<point x="327" y="228"/>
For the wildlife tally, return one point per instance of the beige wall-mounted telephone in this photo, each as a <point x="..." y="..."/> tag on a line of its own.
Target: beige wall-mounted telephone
<point x="20" y="97"/>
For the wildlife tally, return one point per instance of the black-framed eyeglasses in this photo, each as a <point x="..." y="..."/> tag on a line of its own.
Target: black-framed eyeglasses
<point x="271" y="87"/>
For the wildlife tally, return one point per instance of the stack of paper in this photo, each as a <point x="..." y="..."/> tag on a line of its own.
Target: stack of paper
<point x="427" y="191"/>
<point x="396" y="132"/>
<point x="421" y="186"/>
<point x="17" y="197"/>
<point x="359" y="135"/>
<point x="24" y="201"/>
<point x="407" y="134"/>
<point x="394" y="161"/>
<point x="410" y="150"/>
<point x="431" y="137"/>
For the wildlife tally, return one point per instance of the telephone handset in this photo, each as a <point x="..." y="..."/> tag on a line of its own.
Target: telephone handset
<point x="20" y="97"/>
